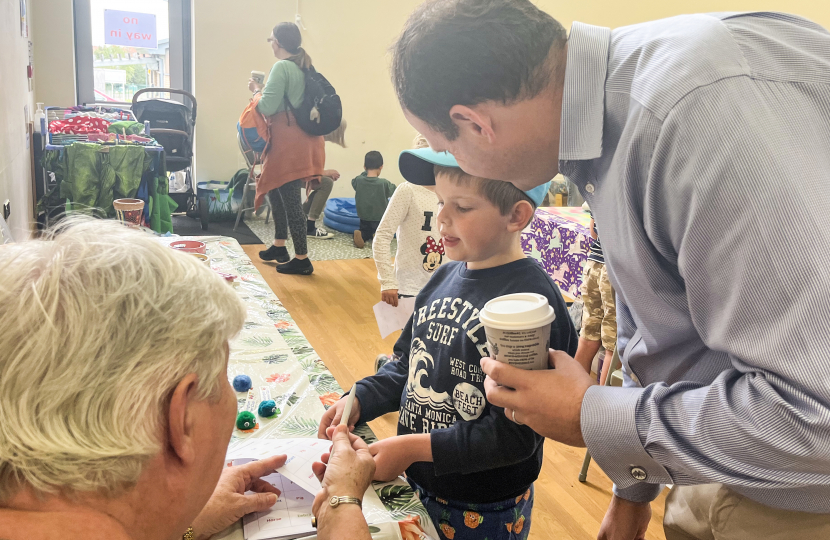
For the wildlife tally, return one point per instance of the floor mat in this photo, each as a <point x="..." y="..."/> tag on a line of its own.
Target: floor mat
<point x="185" y="226"/>
<point x="337" y="248"/>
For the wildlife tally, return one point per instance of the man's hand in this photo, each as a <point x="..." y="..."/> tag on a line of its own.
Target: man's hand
<point x="229" y="502"/>
<point x="331" y="418"/>
<point x="390" y="296"/>
<point x="625" y="520"/>
<point x="549" y="402"/>
<point x="331" y="173"/>
<point x="395" y="454"/>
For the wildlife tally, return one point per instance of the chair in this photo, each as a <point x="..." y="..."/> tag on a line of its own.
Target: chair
<point x="615" y="361"/>
<point x="252" y="159"/>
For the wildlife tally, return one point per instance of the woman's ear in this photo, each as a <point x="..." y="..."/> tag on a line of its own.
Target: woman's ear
<point x="521" y="216"/>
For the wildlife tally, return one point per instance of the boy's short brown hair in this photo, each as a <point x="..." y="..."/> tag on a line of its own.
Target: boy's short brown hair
<point x="502" y="194"/>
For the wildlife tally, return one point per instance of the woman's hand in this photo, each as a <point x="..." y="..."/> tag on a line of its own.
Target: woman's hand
<point x="345" y="471"/>
<point x="254" y="86"/>
<point x="229" y="502"/>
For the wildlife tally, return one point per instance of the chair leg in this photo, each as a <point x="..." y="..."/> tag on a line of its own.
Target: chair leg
<point x="583" y="474"/>
<point x="242" y="204"/>
<point x="615" y="359"/>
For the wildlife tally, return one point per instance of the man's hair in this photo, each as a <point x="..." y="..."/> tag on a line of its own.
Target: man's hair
<point x="465" y="52"/>
<point x="503" y="195"/>
<point x="99" y="324"/>
<point x="373" y="160"/>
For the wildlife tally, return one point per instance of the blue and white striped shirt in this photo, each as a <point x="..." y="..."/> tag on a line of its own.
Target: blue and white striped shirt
<point x="696" y="141"/>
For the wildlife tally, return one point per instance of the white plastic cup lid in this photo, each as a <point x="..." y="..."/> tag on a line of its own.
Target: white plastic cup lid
<point x="517" y="311"/>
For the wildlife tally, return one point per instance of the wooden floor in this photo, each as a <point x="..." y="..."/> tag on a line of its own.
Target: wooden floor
<point x="333" y="308"/>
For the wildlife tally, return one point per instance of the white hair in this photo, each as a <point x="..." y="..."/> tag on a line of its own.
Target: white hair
<point x="98" y="324"/>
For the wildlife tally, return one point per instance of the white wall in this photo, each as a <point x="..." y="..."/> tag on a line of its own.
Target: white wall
<point x="348" y="43"/>
<point x="15" y="160"/>
<point x="54" y="40"/>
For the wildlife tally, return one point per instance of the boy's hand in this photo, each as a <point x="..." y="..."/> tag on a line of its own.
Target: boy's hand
<point x="390" y="296"/>
<point x="395" y="454"/>
<point x="331" y="418"/>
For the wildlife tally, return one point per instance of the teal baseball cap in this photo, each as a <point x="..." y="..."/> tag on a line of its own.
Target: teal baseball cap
<point x="416" y="167"/>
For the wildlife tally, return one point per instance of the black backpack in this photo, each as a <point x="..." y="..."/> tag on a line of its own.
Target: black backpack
<point x="321" y="112"/>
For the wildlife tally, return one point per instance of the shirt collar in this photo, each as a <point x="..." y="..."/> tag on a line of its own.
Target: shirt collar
<point x="583" y="100"/>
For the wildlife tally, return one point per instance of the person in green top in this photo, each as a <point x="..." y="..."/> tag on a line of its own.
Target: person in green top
<point x="371" y="194"/>
<point x="293" y="156"/>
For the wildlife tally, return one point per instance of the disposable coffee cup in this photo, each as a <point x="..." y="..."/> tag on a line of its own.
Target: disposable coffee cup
<point x="258" y="76"/>
<point x="518" y="329"/>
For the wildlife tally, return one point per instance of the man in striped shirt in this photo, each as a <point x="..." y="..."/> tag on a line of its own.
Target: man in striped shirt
<point x="692" y="138"/>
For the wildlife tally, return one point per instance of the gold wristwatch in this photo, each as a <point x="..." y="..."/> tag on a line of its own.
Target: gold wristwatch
<point x="336" y="501"/>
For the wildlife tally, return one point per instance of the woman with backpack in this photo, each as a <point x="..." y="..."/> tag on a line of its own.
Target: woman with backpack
<point x="292" y="157"/>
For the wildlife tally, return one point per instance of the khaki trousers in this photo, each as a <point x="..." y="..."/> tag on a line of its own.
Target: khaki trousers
<point x="715" y="512"/>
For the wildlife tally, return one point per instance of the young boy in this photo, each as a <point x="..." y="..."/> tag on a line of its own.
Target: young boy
<point x="599" y="312"/>
<point x="371" y="194"/>
<point x="472" y="466"/>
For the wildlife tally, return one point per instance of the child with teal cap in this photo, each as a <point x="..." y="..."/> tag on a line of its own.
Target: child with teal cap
<point x="472" y="466"/>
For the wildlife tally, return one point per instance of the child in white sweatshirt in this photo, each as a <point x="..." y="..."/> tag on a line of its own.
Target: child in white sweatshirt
<point x="411" y="214"/>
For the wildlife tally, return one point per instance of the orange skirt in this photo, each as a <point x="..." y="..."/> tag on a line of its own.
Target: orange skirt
<point x="292" y="154"/>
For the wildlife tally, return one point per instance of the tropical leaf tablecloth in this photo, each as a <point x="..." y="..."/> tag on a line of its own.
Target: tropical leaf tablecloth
<point x="559" y="238"/>
<point x="273" y="351"/>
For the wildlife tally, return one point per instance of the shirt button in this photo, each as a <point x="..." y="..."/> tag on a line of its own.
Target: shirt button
<point x="589" y="188"/>
<point x="638" y="473"/>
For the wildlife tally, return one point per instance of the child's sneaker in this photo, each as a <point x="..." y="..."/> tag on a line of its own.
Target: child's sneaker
<point x="319" y="233"/>
<point x="382" y="360"/>
<point x="358" y="239"/>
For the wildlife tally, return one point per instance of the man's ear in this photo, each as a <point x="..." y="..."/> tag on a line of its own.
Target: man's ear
<point x="475" y="121"/>
<point x="521" y="216"/>
<point x="181" y="420"/>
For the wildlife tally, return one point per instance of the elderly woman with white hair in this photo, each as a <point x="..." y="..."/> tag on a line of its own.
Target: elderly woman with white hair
<point x="115" y="407"/>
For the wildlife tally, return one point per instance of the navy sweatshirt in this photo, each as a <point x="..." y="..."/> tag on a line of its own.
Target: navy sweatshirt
<point x="479" y="456"/>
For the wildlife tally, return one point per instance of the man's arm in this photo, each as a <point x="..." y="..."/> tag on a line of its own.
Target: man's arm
<point x="725" y="176"/>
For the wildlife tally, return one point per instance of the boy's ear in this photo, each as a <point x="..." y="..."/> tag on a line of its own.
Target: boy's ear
<point x="521" y="216"/>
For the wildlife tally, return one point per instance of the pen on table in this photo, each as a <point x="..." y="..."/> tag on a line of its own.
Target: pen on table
<point x="347" y="410"/>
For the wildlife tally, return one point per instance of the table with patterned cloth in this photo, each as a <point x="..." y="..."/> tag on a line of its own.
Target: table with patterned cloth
<point x="273" y="351"/>
<point x="559" y="238"/>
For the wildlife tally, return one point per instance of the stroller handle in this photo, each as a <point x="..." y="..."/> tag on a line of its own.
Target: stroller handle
<point x="170" y="91"/>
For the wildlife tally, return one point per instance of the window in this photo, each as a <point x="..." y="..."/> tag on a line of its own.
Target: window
<point x="123" y="46"/>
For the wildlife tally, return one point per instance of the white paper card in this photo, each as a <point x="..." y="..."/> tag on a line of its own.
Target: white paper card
<point x="391" y="319"/>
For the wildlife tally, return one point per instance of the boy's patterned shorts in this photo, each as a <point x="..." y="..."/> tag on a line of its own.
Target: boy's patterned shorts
<point x="455" y="520"/>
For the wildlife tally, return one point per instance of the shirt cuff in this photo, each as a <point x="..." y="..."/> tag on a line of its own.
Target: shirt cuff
<point x="639" y="493"/>
<point x="610" y="432"/>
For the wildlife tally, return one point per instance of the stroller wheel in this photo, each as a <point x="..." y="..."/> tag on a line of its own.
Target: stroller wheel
<point x="203" y="213"/>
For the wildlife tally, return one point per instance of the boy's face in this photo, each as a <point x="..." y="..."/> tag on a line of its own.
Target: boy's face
<point x="472" y="228"/>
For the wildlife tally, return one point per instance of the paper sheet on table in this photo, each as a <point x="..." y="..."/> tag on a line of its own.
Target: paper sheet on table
<point x="391" y="318"/>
